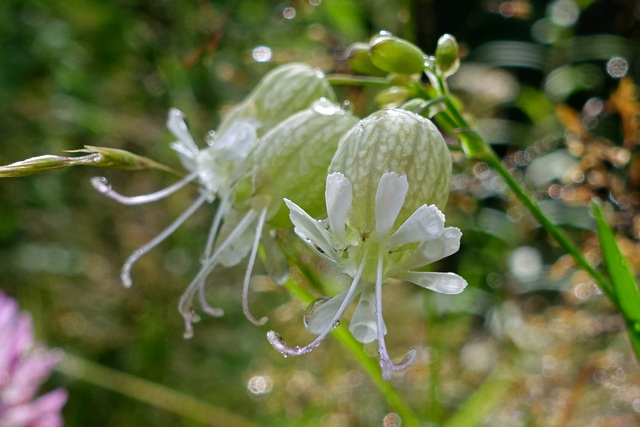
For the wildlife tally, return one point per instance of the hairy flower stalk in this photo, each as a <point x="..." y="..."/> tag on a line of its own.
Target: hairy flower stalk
<point x="388" y="177"/>
<point x="24" y="365"/>
<point x="289" y="161"/>
<point x="218" y="167"/>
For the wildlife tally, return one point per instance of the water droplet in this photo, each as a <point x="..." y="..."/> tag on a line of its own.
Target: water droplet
<point x="211" y="138"/>
<point x="312" y="308"/>
<point x="261" y="54"/>
<point x="347" y="106"/>
<point x="101" y="184"/>
<point x="97" y="158"/>
<point x="336" y="324"/>
<point x="392" y="420"/>
<point x="325" y="107"/>
<point x="289" y="13"/>
<point x="319" y="74"/>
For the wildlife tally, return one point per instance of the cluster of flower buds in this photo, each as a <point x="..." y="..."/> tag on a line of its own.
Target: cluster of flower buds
<point x="364" y="194"/>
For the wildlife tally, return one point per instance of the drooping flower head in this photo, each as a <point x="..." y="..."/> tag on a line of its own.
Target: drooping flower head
<point x="386" y="181"/>
<point x="24" y="365"/>
<point x="218" y="167"/>
<point x="289" y="161"/>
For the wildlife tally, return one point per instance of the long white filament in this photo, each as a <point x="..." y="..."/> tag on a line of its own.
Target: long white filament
<point x="102" y="185"/>
<point x="386" y="365"/>
<point x="213" y="233"/>
<point x="125" y="274"/>
<point x="247" y="276"/>
<point x="278" y="343"/>
<point x="185" y="304"/>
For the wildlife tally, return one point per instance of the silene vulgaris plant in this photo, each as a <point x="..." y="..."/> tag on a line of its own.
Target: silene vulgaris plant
<point x="365" y="195"/>
<point x="385" y="183"/>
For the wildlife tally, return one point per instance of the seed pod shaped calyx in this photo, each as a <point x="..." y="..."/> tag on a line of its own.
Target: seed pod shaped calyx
<point x="282" y="92"/>
<point x="393" y="141"/>
<point x="291" y="160"/>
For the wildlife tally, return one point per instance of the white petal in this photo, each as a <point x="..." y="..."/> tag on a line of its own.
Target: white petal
<point x="435" y="248"/>
<point x="238" y="140"/>
<point x="390" y="196"/>
<point x="363" y="324"/>
<point x="338" y="195"/>
<point x="318" y="321"/>
<point x="445" y="283"/>
<point x="309" y="230"/>
<point x="178" y="126"/>
<point x="424" y="223"/>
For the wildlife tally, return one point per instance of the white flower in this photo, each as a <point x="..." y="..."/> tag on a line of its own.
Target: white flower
<point x="217" y="167"/>
<point x="373" y="256"/>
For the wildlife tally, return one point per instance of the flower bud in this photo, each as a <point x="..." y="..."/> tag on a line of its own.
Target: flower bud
<point x="291" y="160"/>
<point x="393" y="141"/>
<point x="360" y="60"/>
<point x="282" y="92"/>
<point x="447" y="62"/>
<point x="395" y="55"/>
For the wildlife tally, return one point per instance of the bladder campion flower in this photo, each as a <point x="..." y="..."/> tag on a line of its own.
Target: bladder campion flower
<point x="281" y="93"/>
<point x="23" y="367"/>
<point x="379" y="225"/>
<point x="289" y="161"/>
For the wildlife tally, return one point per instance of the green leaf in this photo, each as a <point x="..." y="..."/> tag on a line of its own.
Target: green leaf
<point x="624" y="284"/>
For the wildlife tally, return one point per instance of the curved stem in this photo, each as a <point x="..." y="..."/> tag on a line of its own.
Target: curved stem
<point x="476" y="147"/>
<point x="348" y="79"/>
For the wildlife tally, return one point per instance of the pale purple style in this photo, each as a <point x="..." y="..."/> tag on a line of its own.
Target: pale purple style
<point x="24" y="365"/>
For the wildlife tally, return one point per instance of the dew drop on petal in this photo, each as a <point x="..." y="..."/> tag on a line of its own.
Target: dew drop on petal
<point x="336" y="324"/>
<point x="101" y="184"/>
<point x="312" y="308"/>
<point x="325" y="107"/>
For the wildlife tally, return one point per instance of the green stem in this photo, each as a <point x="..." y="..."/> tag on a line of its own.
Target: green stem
<point x="348" y="79"/>
<point x="476" y="147"/>
<point x="367" y="364"/>
<point x="151" y="393"/>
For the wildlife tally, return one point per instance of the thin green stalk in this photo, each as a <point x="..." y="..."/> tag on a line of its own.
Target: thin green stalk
<point x="348" y="79"/>
<point x="477" y="148"/>
<point x="367" y="364"/>
<point x="151" y="393"/>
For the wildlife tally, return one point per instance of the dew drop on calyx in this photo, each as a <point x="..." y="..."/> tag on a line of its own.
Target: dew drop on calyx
<point x="336" y="324"/>
<point x="325" y="107"/>
<point x="312" y="308"/>
<point x="101" y="184"/>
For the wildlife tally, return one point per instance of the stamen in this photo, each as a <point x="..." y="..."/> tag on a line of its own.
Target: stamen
<point x="213" y="233"/>
<point x="102" y="185"/>
<point x="125" y="274"/>
<point x="247" y="276"/>
<point x="278" y="343"/>
<point x="185" y="304"/>
<point x="386" y="365"/>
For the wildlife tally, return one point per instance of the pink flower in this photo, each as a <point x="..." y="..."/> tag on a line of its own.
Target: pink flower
<point x="24" y="365"/>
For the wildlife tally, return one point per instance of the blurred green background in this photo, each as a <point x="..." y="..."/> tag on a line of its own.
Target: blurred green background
<point x="539" y="76"/>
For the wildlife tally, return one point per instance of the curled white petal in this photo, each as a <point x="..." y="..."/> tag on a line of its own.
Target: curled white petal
<point x="238" y="140"/>
<point x="445" y="283"/>
<point x="363" y="324"/>
<point x="435" y="248"/>
<point x="310" y="231"/>
<point x="338" y="195"/>
<point x="178" y="126"/>
<point x="392" y="190"/>
<point x="426" y="222"/>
